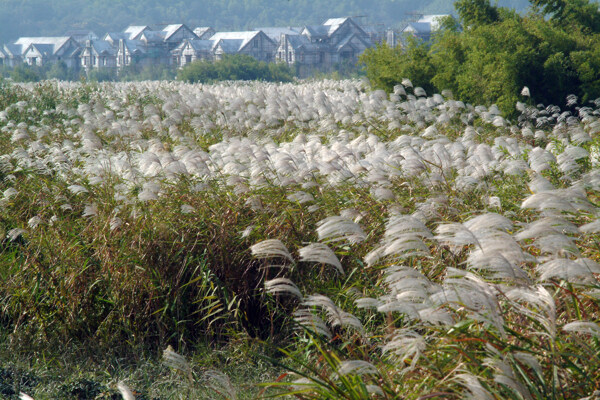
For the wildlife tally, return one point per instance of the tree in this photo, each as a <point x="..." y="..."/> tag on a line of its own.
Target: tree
<point x="571" y="13"/>
<point x="473" y="13"/>
<point x="386" y="67"/>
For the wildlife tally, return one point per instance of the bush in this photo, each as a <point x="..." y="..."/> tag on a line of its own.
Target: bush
<point x="235" y="67"/>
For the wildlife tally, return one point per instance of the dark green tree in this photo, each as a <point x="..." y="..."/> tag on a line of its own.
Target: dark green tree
<point x="580" y="14"/>
<point x="473" y="13"/>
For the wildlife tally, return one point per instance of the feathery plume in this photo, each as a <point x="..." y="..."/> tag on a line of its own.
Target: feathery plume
<point x="320" y="253"/>
<point x="126" y="393"/>
<point x="283" y="286"/>
<point x="337" y="228"/>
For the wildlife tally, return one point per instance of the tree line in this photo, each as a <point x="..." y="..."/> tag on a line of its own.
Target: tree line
<point x="490" y="53"/>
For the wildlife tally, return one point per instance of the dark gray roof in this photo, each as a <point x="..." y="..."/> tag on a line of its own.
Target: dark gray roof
<point x="43" y="49"/>
<point x="13" y="49"/>
<point x="349" y="38"/>
<point x="418" y="27"/>
<point x="301" y="41"/>
<point x="200" y="44"/>
<point x="229" y="46"/>
<point x="154" y="36"/>
<point x="103" y="47"/>
<point x="316" y="30"/>
<point x="274" y="33"/>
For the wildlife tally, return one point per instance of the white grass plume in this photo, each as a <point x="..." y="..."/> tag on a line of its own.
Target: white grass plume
<point x="583" y="327"/>
<point x="465" y="290"/>
<point x="475" y="389"/>
<point x="271" y="248"/>
<point x="322" y="254"/>
<point x="126" y="393"/>
<point x="178" y="362"/>
<point x="283" y="286"/>
<point x="312" y="322"/>
<point x="504" y="375"/>
<point x="357" y="367"/>
<point x="581" y="270"/>
<point x="337" y="228"/>
<point x="220" y="383"/>
<point x="406" y="345"/>
<point x="542" y="307"/>
<point x="336" y="316"/>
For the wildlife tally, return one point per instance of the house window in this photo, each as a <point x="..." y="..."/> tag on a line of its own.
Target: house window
<point x="290" y="57"/>
<point x="188" y="59"/>
<point x="255" y="44"/>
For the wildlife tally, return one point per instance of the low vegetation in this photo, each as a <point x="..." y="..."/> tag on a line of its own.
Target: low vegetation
<point x="235" y="67"/>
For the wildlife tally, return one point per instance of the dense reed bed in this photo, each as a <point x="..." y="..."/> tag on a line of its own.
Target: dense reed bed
<point x="376" y="246"/>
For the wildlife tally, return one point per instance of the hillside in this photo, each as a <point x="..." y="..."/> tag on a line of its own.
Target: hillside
<point x="54" y="17"/>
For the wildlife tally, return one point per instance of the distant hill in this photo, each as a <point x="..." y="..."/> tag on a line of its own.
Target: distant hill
<point x="55" y="17"/>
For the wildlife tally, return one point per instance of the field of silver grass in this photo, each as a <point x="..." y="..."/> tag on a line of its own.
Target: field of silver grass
<point x="427" y="248"/>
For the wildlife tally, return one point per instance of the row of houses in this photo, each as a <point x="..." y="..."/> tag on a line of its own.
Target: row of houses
<point x="309" y="48"/>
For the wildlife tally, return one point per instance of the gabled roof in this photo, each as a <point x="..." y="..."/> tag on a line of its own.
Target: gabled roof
<point x="241" y="38"/>
<point x="56" y="42"/>
<point x="316" y="31"/>
<point x="134" y="46"/>
<point x="201" y="44"/>
<point x="203" y="30"/>
<point x="349" y="38"/>
<point x="115" y="36"/>
<point x="12" y="49"/>
<point x="298" y="42"/>
<point x="43" y="49"/>
<point x="172" y="29"/>
<point x="274" y="33"/>
<point x="418" y="27"/>
<point x="229" y="46"/>
<point x="334" y="23"/>
<point x="82" y="34"/>
<point x="102" y="47"/>
<point x="153" y="36"/>
<point x="135" y="31"/>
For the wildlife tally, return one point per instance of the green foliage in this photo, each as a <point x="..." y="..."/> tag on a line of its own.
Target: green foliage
<point x="145" y="72"/>
<point x="474" y="13"/>
<point x="386" y="66"/>
<point x="571" y="13"/>
<point x="499" y="53"/>
<point x="25" y="73"/>
<point x="102" y="75"/>
<point x="61" y="72"/>
<point x="234" y="67"/>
